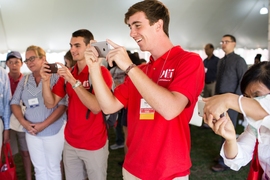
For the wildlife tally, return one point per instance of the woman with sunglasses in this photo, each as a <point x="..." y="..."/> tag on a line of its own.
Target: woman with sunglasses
<point x="255" y="107"/>
<point x="44" y="127"/>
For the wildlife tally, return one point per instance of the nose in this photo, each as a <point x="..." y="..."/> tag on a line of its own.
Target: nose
<point x="133" y="32"/>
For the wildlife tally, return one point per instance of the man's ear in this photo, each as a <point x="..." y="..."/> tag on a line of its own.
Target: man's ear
<point x="159" y="24"/>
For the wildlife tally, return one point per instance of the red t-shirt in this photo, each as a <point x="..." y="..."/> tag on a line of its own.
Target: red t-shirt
<point x="14" y="83"/>
<point x="82" y="133"/>
<point x="159" y="148"/>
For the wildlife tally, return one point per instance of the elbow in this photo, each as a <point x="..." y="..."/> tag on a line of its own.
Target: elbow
<point x="169" y="117"/>
<point x="49" y="106"/>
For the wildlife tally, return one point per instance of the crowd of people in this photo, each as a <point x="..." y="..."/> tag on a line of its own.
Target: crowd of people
<point x="65" y="128"/>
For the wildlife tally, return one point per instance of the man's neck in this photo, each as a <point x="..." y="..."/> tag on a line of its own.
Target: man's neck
<point x="81" y="64"/>
<point x="159" y="51"/>
<point x="210" y="56"/>
<point x="229" y="52"/>
<point x="15" y="76"/>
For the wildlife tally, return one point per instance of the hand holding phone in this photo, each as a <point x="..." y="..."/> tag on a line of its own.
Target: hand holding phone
<point x="53" y="67"/>
<point x="102" y="48"/>
<point x="201" y="104"/>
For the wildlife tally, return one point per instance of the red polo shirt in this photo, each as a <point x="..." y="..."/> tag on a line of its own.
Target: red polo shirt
<point x="160" y="148"/>
<point x="82" y="133"/>
<point x="14" y="83"/>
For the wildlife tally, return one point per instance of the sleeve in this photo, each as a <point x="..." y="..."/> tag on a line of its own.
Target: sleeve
<point x="6" y="100"/>
<point x="60" y="87"/>
<point x="18" y="92"/>
<point x="245" y="143"/>
<point x="54" y="80"/>
<point x="189" y="77"/>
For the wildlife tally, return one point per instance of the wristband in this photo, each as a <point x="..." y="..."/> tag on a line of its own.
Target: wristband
<point x="129" y="68"/>
<point x="240" y="105"/>
<point x="77" y="84"/>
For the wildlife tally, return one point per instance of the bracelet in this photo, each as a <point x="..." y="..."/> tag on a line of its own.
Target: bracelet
<point x="77" y="84"/>
<point x="129" y="68"/>
<point x="240" y="105"/>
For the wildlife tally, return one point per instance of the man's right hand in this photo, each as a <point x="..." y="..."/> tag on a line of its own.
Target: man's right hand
<point x="44" y="72"/>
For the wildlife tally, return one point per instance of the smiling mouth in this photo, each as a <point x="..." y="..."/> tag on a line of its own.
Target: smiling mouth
<point x="138" y="40"/>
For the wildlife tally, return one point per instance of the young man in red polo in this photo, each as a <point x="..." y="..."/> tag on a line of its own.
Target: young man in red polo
<point x="160" y="96"/>
<point x="86" y="145"/>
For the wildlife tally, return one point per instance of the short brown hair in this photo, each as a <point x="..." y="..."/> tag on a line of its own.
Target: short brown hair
<point x="154" y="11"/>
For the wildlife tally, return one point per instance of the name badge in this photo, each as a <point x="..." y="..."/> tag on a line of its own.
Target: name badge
<point x="33" y="102"/>
<point x="146" y="111"/>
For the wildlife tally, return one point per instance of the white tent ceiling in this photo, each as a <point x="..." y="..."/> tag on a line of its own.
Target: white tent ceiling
<point x="49" y="23"/>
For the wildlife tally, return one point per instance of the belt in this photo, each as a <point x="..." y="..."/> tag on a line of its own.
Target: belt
<point x="210" y="82"/>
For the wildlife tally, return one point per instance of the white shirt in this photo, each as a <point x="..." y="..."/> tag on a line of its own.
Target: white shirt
<point x="246" y="141"/>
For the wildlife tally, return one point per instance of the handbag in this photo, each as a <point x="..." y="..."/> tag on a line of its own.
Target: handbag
<point x="7" y="165"/>
<point x="255" y="171"/>
<point x="14" y="123"/>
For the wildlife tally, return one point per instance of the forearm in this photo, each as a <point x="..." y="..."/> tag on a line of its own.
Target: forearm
<point x="56" y="114"/>
<point x="88" y="99"/>
<point x="250" y="106"/>
<point x="230" y="149"/>
<point x="168" y="104"/>
<point x="48" y="96"/>
<point x="107" y="101"/>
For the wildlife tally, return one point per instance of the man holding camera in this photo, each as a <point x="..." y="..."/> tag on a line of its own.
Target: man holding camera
<point x="86" y="145"/>
<point x="160" y="95"/>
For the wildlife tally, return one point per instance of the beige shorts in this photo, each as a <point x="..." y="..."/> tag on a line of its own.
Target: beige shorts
<point x="81" y="163"/>
<point x="17" y="139"/>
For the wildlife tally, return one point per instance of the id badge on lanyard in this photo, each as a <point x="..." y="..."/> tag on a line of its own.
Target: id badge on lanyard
<point x="146" y="111"/>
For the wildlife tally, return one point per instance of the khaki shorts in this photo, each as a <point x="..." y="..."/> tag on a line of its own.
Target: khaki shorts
<point x="79" y="162"/>
<point x="17" y="139"/>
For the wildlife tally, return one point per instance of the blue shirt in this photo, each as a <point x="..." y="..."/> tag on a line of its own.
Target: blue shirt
<point x="5" y="97"/>
<point x="38" y="113"/>
<point x="211" y="65"/>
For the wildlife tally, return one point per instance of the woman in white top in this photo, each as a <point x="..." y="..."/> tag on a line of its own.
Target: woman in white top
<point x="255" y="107"/>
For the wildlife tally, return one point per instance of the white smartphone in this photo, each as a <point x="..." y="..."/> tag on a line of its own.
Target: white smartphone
<point x="201" y="104"/>
<point x="102" y="47"/>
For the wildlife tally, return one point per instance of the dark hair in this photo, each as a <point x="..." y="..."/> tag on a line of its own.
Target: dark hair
<point x="86" y="34"/>
<point x="154" y="11"/>
<point x="210" y="45"/>
<point x="257" y="73"/>
<point x="69" y="57"/>
<point x="230" y="36"/>
<point x="258" y="56"/>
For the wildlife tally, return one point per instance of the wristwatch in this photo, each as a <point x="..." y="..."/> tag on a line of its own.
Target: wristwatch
<point x="77" y="84"/>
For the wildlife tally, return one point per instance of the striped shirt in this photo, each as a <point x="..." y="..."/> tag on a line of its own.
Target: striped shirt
<point x="39" y="112"/>
<point x="5" y="96"/>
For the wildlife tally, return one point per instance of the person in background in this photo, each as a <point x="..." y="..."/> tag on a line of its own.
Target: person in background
<point x="238" y="152"/>
<point x="257" y="59"/>
<point x="14" y="63"/>
<point x="5" y="111"/>
<point x="86" y="138"/>
<point x="44" y="127"/>
<point x="231" y="69"/>
<point x="69" y="62"/>
<point x="210" y="66"/>
<point x="160" y="96"/>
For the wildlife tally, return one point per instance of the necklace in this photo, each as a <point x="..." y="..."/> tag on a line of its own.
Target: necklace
<point x="162" y="66"/>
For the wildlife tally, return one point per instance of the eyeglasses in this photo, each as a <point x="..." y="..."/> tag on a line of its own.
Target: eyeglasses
<point x="31" y="59"/>
<point x="225" y="42"/>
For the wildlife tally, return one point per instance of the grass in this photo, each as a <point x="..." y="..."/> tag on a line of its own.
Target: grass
<point x="205" y="147"/>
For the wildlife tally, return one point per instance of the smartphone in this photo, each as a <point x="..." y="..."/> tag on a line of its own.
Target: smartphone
<point x="201" y="104"/>
<point x="53" y="67"/>
<point x="102" y="48"/>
